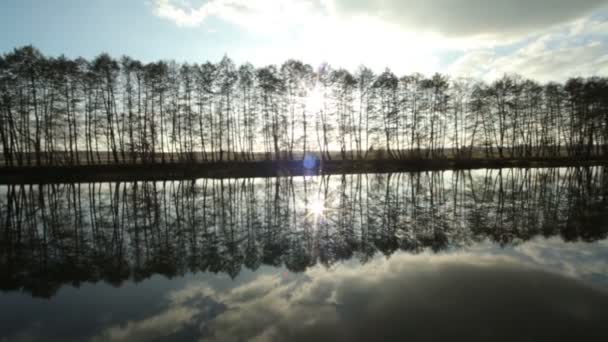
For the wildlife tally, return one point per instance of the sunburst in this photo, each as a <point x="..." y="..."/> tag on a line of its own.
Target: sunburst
<point x="317" y="208"/>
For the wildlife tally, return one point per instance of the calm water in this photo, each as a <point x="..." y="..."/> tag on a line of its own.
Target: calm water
<point x="506" y="254"/>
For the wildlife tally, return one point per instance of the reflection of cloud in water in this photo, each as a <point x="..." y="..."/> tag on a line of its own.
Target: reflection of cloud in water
<point x="576" y="259"/>
<point x="161" y="325"/>
<point x="405" y="297"/>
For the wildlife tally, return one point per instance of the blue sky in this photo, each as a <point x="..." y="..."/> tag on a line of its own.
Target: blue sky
<point x="541" y="39"/>
<point x="86" y="28"/>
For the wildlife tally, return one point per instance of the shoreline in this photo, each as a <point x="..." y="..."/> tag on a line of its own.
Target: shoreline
<point x="264" y="169"/>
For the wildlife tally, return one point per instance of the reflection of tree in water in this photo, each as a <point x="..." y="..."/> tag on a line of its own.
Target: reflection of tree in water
<point x="71" y="233"/>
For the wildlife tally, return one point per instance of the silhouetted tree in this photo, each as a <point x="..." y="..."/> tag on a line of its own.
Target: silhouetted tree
<point x="64" y="111"/>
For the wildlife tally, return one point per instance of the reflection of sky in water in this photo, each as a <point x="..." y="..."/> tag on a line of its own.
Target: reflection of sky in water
<point x="541" y="288"/>
<point x="448" y="274"/>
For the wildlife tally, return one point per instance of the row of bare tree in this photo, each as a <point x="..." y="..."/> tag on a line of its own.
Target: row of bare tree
<point x="73" y="112"/>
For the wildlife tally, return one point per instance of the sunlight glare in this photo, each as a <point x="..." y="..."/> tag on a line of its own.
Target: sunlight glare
<point x="317" y="207"/>
<point x="314" y="100"/>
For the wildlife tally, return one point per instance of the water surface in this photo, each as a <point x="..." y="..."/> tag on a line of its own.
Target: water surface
<point x="486" y="254"/>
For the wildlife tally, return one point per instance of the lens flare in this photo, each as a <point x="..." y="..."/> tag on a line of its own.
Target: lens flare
<point x="317" y="207"/>
<point x="310" y="162"/>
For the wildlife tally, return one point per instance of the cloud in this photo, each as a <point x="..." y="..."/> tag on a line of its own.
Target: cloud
<point x="542" y="39"/>
<point x="479" y="295"/>
<point x="470" y="17"/>
<point x="461" y="19"/>
<point x="570" y="50"/>
<point x="474" y="64"/>
<point x="268" y="16"/>
<point x="447" y="17"/>
<point x="575" y="259"/>
<point x="556" y="64"/>
<point x="305" y="29"/>
<point x="421" y="298"/>
<point x="183" y="16"/>
<point x="161" y="325"/>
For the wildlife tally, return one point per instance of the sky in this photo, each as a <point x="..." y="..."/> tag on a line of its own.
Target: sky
<point x="546" y="40"/>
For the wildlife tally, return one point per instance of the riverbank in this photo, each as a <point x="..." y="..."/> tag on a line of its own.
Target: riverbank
<point x="254" y="169"/>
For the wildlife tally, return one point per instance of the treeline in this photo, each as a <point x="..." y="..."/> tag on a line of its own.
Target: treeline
<point x="73" y="112"/>
<point x="58" y="234"/>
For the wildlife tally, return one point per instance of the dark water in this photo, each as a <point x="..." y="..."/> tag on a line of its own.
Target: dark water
<point x="508" y="254"/>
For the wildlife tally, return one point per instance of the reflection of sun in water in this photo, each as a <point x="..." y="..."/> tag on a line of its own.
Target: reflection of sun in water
<point x="314" y="100"/>
<point x="317" y="207"/>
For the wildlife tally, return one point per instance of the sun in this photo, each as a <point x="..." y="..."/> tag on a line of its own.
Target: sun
<point x="316" y="207"/>
<point x="314" y="100"/>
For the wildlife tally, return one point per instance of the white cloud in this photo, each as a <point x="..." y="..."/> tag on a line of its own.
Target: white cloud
<point x="561" y="39"/>
<point x="424" y="296"/>
<point x="471" y="17"/>
<point x="182" y="16"/>
<point x="189" y="293"/>
<point x="446" y="17"/>
<point x="474" y="64"/>
<point x="161" y="325"/>
<point x="406" y="296"/>
<point x="265" y="16"/>
<point x="576" y="259"/>
<point x="570" y="50"/>
<point x="304" y="29"/>
<point x="555" y="64"/>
